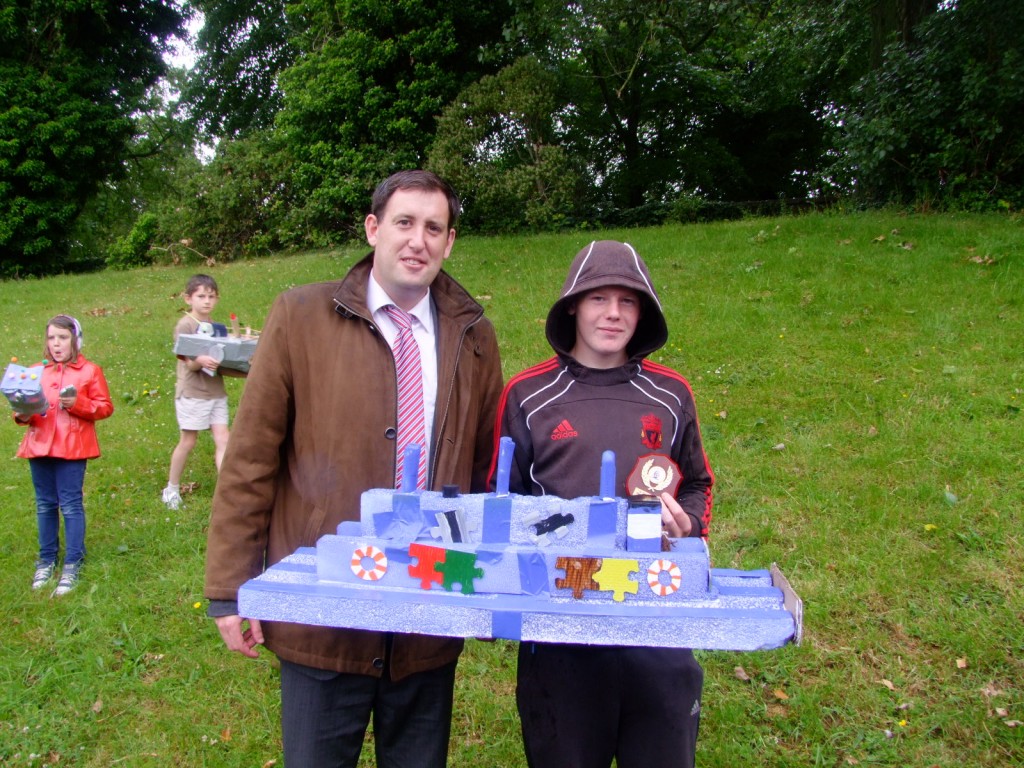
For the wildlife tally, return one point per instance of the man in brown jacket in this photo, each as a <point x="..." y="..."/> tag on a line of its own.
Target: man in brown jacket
<point x="317" y="426"/>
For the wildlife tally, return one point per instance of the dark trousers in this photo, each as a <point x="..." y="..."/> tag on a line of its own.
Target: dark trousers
<point x="324" y="716"/>
<point x="580" y="706"/>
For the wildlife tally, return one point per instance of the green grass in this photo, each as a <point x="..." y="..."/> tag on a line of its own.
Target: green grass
<point x="860" y="393"/>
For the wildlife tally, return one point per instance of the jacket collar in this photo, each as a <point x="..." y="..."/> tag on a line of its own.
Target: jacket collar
<point x="451" y="300"/>
<point x="602" y="377"/>
<point x="75" y="365"/>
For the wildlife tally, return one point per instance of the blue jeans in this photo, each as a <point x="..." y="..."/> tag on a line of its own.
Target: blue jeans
<point x="58" y="484"/>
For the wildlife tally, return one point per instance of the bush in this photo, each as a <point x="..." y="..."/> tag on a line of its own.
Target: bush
<point x="239" y="204"/>
<point x="939" y="124"/>
<point x="132" y="250"/>
<point x="498" y="145"/>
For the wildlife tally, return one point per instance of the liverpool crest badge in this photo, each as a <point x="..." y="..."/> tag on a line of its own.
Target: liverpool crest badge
<point x="650" y="432"/>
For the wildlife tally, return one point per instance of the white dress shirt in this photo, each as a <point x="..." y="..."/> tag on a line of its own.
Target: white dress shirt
<point x="426" y="338"/>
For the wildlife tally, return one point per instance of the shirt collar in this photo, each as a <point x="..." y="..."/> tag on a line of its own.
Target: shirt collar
<point x="377" y="298"/>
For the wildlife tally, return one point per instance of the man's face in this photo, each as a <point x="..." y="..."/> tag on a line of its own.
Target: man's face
<point x="411" y="240"/>
<point x="606" y="319"/>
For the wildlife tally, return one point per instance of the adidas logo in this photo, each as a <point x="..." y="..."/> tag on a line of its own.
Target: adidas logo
<point x="564" y="431"/>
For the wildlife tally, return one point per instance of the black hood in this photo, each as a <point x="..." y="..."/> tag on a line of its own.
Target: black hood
<point x="604" y="263"/>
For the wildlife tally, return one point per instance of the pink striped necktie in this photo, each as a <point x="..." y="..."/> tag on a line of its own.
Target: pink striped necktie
<point x="411" y="423"/>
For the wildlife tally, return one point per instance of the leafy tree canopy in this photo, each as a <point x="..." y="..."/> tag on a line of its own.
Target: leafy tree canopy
<point x="71" y="74"/>
<point x="498" y="144"/>
<point x="159" y="160"/>
<point x="243" y="47"/>
<point x="653" y="100"/>
<point x="941" y="122"/>
<point x="363" y="96"/>
<point x="543" y="113"/>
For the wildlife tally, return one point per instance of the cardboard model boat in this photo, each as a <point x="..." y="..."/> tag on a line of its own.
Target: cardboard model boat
<point x="588" y="570"/>
<point x="232" y="349"/>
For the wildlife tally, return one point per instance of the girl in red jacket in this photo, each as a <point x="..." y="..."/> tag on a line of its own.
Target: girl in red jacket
<point x="57" y="445"/>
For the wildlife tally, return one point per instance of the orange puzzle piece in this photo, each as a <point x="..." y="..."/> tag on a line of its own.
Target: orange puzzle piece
<point x="426" y="564"/>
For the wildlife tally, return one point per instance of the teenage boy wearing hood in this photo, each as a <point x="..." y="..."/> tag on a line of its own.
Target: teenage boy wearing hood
<point x="583" y="705"/>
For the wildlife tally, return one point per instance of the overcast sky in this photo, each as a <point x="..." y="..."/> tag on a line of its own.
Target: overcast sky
<point x="184" y="55"/>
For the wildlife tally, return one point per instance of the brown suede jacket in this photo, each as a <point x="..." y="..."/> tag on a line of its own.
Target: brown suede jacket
<point x="315" y="428"/>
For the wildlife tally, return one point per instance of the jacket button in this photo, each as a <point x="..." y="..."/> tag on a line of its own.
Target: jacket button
<point x="390" y="433"/>
<point x="378" y="663"/>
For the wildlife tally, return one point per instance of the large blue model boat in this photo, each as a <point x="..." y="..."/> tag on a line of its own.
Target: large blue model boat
<point x="588" y="570"/>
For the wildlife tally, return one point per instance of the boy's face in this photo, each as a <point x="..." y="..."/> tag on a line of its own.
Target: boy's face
<point x="606" y="319"/>
<point x="410" y="240"/>
<point x="201" y="302"/>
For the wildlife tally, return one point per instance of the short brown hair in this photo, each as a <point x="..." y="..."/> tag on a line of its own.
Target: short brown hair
<point x="200" y="281"/>
<point x="425" y="181"/>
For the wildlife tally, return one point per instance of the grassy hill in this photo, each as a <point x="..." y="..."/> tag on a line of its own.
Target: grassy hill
<point x="859" y="379"/>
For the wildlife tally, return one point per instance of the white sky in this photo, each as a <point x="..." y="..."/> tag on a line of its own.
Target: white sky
<point x="184" y="55"/>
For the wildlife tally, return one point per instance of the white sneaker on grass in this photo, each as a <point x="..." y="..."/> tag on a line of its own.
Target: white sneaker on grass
<point x="44" y="572"/>
<point x="171" y="498"/>
<point x="68" y="579"/>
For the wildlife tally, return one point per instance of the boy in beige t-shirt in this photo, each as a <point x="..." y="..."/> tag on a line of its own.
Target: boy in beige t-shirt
<point x="200" y="400"/>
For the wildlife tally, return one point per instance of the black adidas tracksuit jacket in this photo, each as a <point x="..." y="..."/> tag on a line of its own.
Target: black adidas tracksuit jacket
<point x="563" y="416"/>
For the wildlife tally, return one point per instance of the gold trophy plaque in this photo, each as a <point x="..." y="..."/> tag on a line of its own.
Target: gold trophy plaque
<point x="653" y="475"/>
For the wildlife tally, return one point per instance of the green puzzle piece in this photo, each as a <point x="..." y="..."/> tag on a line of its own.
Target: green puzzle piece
<point x="460" y="568"/>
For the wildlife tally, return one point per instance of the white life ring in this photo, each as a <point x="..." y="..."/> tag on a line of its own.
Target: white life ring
<point x="675" y="577"/>
<point x="380" y="562"/>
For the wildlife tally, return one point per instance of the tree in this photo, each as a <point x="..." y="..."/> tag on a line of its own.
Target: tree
<point x="362" y="99"/>
<point x="243" y="47"/>
<point x="498" y="144"/>
<point x="895" y="22"/>
<point x="941" y="122"/>
<point x="661" y="99"/>
<point x="643" y="76"/>
<point x="71" y="75"/>
<point x="240" y="203"/>
<point x="158" y="160"/>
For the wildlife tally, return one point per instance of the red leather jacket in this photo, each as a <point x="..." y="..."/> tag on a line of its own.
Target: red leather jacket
<point x="68" y="433"/>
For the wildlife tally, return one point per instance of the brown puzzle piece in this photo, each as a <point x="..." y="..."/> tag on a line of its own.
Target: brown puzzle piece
<point x="579" y="572"/>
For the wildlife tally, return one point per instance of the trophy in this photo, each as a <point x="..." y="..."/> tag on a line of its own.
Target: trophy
<point x="653" y="475"/>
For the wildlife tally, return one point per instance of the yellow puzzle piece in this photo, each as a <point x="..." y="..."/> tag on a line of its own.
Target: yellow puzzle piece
<point x="614" y="577"/>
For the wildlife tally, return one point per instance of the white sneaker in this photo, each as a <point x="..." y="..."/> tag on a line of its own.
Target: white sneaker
<point x="68" y="580"/>
<point x="44" y="572"/>
<point x="171" y="498"/>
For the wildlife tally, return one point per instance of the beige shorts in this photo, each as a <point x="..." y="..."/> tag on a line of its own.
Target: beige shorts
<point x="196" y="415"/>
